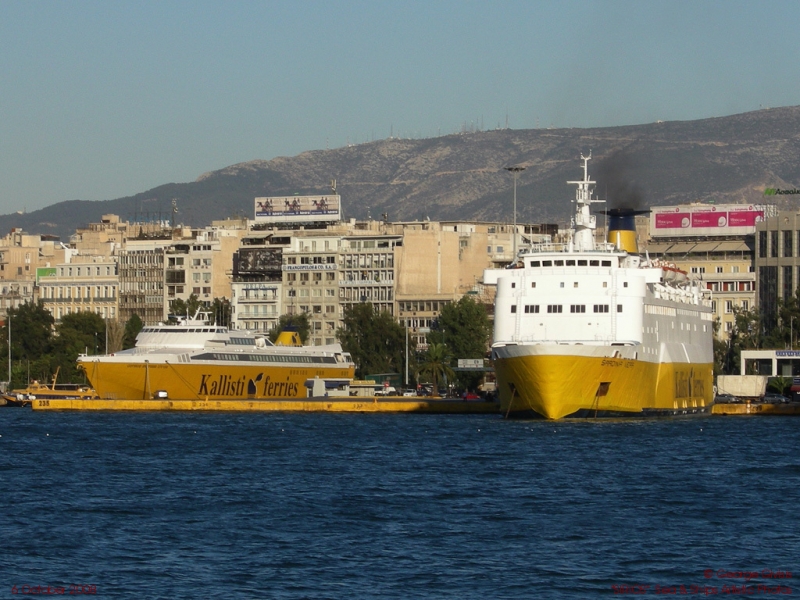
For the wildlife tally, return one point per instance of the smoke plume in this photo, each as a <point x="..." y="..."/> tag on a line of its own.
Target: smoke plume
<point x="616" y="181"/>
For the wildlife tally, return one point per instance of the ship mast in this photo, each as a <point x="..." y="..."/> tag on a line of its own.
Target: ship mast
<point x="583" y="224"/>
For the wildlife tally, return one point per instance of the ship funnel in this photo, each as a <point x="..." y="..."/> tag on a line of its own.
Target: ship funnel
<point x="622" y="228"/>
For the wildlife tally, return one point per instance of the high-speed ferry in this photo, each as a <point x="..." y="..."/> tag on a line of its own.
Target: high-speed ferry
<point x="584" y="329"/>
<point x="194" y="359"/>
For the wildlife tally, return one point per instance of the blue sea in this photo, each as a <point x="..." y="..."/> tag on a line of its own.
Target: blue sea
<point x="269" y="505"/>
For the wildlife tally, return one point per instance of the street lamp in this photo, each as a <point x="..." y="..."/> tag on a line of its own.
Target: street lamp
<point x="515" y="171"/>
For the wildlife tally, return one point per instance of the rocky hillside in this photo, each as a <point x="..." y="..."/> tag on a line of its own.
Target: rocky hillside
<point x="726" y="159"/>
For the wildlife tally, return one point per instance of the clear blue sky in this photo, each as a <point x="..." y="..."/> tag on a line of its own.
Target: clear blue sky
<point x="102" y="99"/>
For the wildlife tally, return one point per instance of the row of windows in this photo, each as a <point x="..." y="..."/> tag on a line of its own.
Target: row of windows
<point x="317" y="276"/>
<point x="87" y="271"/>
<point x="55" y="292"/>
<point x="768" y="243"/>
<point x="730" y="305"/>
<point x="570" y="263"/>
<point x="558" y="308"/>
<point x="718" y="269"/>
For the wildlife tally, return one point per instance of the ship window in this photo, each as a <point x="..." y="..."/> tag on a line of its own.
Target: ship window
<point x="606" y="263"/>
<point x="605" y="284"/>
<point x="554" y="308"/>
<point x="581" y="263"/>
<point x="531" y="308"/>
<point x="513" y="308"/>
<point x="601" y="308"/>
<point x="513" y="284"/>
<point x="577" y="308"/>
<point x="594" y="263"/>
<point x="559" y="263"/>
<point x="533" y="284"/>
<point x="535" y="263"/>
<point x="575" y="284"/>
<point x="547" y="263"/>
<point x="561" y="284"/>
<point x="619" y="307"/>
<point x="570" y="263"/>
<point x="624" y="284"/>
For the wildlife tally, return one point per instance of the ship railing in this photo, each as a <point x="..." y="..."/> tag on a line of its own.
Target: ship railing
<point x="603" y="248"/>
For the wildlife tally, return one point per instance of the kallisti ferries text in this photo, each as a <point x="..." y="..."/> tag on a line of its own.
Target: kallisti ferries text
<point x="584" y="329"/>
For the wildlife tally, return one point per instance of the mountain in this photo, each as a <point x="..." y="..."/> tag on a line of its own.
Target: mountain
<point x="725" y="159"/>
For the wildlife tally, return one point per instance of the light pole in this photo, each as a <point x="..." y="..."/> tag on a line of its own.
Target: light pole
<point x="515" y="171"/>
<point x="406" y="353"/>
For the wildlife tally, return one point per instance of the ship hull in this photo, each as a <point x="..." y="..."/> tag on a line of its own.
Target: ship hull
<point x="202" y="380"/>
<point x="574" y="384"/>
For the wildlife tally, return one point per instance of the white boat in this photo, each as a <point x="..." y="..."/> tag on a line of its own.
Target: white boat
<point x="585" y="329"/>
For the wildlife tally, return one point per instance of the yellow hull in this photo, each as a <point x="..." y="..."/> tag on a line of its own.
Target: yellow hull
<point x="557" y="386"/>
<point x="361" y="404"/>
<point x="203" y="381"/>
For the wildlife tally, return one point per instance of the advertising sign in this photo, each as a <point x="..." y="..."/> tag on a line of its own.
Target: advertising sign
<point x="297" y="209"/>
<point x="705" y="219"/>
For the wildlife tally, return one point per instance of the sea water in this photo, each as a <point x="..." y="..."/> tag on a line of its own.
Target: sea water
<point x="271" y="505"/>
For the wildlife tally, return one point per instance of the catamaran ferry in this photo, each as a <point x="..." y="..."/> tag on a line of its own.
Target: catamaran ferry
<point x="584" y="329"/>
<point x="194" y="359"/>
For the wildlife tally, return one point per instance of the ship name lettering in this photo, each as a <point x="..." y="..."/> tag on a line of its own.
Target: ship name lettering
<point x="224" y="385"/>
<point x="279" y="388"/>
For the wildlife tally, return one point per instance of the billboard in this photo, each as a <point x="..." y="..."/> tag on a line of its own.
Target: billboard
<point x="705" y="219"/>
<point x="297" y="209"/>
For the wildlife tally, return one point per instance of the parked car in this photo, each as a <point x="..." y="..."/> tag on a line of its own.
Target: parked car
<point x="773" y="398"/>
<point x="727" y="399"/>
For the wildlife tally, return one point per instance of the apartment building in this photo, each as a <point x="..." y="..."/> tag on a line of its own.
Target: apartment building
<point x="85" y="284"/>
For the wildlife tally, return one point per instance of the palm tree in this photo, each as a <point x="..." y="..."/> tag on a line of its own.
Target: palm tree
<point x="435" y="363"/>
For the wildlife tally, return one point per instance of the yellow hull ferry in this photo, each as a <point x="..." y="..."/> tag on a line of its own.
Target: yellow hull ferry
<point x="584" y="329"/>
<point x="195" y="360"/>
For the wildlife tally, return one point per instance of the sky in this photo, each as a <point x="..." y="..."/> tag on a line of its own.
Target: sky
<point x="100" y="100"/>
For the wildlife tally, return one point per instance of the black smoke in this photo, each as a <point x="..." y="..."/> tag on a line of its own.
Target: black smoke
<point x="617" y="183"/>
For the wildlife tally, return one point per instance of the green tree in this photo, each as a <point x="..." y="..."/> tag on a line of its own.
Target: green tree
<point x="77" y="333"/>
<point x="132" y="329"/>
<point x="464" y="327"/>
<point x="374" y="339"/>
<point x="745" y="334"/>
<point x="436" y="365"/>
<point x="31" y="330"/>
<point x="220" y="310"/>
<point x="298" y="322"/>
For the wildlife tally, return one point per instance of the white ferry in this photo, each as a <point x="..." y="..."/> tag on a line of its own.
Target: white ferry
<point x="584" y="329"/>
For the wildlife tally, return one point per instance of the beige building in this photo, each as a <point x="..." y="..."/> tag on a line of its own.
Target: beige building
<point x="438" y="263"/>
<point x="85" y="284"/>
<point x="21" y="254"/>
<point x="200" y="263"/>
<point x="726" y="267"/>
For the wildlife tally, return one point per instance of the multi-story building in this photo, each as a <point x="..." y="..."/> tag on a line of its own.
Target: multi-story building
<point x="257" y="287"/>
<point x="777" y="262"/>
<point x="85" y="284"/>
<point x="21" y="254"/>
<point x="141" y="280"/>
<point x="200" y="263"/>
<point x="437" y="263"/>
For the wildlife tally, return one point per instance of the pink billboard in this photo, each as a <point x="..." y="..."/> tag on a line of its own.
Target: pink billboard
<point x="704" y="219"/>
